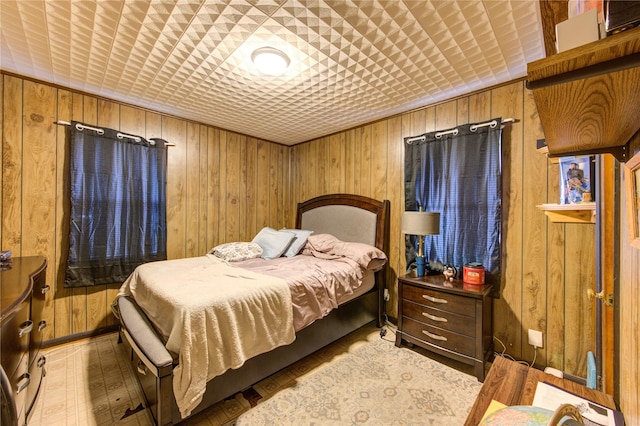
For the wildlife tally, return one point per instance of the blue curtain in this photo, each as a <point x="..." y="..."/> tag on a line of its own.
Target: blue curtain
<point x="118" y="205"/>
<point x="458" y="175"/>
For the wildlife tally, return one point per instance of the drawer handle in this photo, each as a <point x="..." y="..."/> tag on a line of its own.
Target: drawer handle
<point x="434" y="299"/>
<point x="434" y="318"/>
<point x="142" y="369"/>
<point x="25" y="328"/>
<point x="435" y="336"/>
<point x="42" y="325"/>
<point x="42" y="361"/>
<point x="23" y="382"/>
<point x="45" y="289"/>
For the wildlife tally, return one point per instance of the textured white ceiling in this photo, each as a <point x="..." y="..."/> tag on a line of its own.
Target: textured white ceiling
<point x="352" y="61"/>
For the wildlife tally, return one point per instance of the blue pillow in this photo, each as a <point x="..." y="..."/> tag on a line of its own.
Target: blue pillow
<point x="274" y="243"/>
<point x="298" y="242"/>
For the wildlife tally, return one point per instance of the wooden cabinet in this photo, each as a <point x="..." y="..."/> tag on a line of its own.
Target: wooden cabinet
<point x="22" y="292"/>
<point x="588" y="98"/>
<point x="452" y="319"/>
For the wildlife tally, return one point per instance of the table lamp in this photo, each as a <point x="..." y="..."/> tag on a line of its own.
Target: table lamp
<point x="421" y="224"/>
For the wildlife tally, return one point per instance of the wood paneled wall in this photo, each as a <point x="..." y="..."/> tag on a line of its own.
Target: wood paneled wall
<point x="221" y="187"/>
<point x="547" y="267"/>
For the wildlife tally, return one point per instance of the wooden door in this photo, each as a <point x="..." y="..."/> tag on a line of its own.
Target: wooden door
<point x="608" y="212"/>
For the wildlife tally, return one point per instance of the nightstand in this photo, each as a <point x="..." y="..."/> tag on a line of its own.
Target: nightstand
<point x="452" y="319"/>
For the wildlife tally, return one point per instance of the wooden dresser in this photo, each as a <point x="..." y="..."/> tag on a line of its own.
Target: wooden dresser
<point x="452" y="319"/>
<point x="22" y="295"/>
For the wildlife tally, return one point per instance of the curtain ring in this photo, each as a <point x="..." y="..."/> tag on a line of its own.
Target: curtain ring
<point x="492" y="124"/>
<point x="124" y="135"/>
<point x="410" y="141"/>
<point x="80" y="128"/>
<point x="453" y="132"/>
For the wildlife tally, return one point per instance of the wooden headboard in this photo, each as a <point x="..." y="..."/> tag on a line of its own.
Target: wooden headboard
<point x="351" y="218"/>
<point x="347" y="217"/>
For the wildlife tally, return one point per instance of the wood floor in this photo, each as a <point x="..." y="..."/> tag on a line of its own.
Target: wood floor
<point x="91" y="383"/>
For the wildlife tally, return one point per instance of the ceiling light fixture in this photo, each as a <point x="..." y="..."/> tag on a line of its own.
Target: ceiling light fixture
<point x="270" y="61"/>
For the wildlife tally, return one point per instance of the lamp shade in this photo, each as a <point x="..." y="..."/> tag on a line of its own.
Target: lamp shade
<point x="421" y="223"/>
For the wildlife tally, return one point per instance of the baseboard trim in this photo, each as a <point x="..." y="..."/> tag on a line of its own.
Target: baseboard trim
<point x="79" y="336"/>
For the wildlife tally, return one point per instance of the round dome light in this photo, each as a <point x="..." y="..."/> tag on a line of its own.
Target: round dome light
<point x="270" y="61"/>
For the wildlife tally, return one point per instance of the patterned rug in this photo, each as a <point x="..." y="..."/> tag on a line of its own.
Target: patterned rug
<point x="375" y="384"/>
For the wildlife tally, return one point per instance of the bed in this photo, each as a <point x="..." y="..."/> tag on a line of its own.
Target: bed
<point x="350" y="218"/>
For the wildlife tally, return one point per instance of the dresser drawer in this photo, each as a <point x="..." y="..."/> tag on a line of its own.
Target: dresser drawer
<point x="14" y="338"/>
<point x="436" y="336"/>
<point x="440" y="300"/>
<point x="438" y="318"/>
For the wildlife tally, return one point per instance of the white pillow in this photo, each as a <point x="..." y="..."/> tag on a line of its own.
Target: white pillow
<point x="273" y="242"/>
<point x="298" y="242"/>
<point x="235" y="252"/>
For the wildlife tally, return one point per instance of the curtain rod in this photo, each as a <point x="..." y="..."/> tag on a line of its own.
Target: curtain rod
<point x="99" y="131"/>
<point x="473" y="128"/>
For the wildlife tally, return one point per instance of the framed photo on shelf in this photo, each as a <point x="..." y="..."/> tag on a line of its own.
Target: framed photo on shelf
<point x="577" y="179"/>
<point x="632" y="184"/>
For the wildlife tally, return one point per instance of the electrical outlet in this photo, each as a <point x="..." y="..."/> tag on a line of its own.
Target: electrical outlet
<point x="386" y="294"/>
<point x="535" y="338"/>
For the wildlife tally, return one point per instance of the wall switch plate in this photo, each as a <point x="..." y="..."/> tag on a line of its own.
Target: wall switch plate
<point x="535" y="338"/>
<point x="386" y="294"/>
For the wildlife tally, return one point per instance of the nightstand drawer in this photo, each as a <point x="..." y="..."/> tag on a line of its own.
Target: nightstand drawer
<point x="438" y="318"/>
<point x="455" y="342"/>
<point x="440" y="300"/>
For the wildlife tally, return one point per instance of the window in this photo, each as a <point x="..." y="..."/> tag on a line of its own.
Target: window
<point x="458" y="173"/>
<point x="118" y="205"/>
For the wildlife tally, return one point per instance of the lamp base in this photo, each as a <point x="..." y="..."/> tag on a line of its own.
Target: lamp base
<point x="420" y="264"/>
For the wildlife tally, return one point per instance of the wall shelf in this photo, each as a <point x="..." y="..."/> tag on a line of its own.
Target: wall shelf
<point x="570" y="213"/>
<point x="588" y="98"/>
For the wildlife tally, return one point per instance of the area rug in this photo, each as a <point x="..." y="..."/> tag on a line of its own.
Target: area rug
<point x="375" y="384"/>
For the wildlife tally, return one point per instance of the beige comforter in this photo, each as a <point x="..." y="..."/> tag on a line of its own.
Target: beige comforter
<point x="215" y="303"/>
